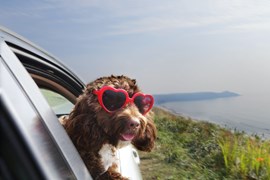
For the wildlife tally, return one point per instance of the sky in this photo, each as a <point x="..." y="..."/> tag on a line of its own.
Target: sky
<point x="168" y="46"/>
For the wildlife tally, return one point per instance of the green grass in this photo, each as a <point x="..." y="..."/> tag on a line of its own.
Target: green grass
<point x="189" y="149"/>
<point x="247" y="156"/>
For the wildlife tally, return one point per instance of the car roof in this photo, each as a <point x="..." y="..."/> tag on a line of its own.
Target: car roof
<point x="42" y="59"/>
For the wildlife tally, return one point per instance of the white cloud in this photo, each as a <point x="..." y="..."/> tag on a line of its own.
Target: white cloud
<point x="226" y="15"/>
<point x="253" y="26"/>
<point x="121" y="17"/>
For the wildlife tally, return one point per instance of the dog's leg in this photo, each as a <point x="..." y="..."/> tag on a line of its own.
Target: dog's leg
<point x="110" y="163"/>
<point x="108" y="156"/>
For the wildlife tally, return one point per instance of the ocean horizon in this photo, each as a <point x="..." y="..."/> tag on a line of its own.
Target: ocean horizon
<point x="249" y="112"/>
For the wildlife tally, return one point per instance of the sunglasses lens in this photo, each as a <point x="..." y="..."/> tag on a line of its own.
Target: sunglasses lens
<point x="113" y="100"/>
<point x="143" y="103"/>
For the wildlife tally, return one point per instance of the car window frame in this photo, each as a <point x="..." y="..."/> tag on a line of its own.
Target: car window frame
<point x="43" y="115"/>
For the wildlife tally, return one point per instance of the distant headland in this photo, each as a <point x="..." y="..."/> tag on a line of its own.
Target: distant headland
<point x="196" y="96"/>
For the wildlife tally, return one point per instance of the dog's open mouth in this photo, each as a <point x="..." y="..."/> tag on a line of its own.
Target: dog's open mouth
<point x="127" y="136"/>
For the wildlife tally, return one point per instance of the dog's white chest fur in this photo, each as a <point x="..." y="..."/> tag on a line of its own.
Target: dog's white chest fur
<point x="108" y="155"/>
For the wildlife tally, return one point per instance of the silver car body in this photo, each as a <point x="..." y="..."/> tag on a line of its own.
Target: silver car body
<point x="24" y="68"/>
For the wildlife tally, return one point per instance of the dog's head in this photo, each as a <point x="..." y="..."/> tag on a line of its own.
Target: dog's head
<point x="120" y="109"/>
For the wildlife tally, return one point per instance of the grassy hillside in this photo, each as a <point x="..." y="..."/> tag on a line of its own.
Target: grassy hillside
<point x="189" y="149"/>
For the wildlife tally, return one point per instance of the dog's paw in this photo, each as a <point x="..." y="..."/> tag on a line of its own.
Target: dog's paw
<point x="62" y="119"/>
<point x="112" y="175"/>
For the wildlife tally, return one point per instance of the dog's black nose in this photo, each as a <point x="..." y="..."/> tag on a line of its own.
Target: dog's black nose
<point x="133" y="124"/>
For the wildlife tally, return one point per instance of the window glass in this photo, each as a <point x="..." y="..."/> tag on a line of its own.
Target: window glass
<point x="58" y="103"/>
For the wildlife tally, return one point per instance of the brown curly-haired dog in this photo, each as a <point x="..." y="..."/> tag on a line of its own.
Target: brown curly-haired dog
<point x="97" y="133"/>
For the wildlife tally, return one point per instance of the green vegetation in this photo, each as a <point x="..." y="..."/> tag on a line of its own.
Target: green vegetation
<point x="246" y="156"/>
<point x="189" y="149"/>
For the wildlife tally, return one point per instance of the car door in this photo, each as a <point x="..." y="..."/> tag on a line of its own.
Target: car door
<point x="34" y="145"/>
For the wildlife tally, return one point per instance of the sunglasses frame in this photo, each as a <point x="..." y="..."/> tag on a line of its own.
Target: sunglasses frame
<point x="128" y="100"/>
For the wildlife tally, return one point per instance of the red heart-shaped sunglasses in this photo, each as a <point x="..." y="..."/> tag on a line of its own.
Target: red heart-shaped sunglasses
<point x="112" y="99"/>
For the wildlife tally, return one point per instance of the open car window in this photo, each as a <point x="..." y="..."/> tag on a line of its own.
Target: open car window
<point x="59" y="104"/>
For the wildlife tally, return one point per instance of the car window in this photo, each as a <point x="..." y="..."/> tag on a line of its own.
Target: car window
<point x="58" y="103"/>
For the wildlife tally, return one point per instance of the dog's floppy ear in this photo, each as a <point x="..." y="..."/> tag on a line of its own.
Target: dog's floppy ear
<point x="82" y="126"/>
<point x="147" y="141"/>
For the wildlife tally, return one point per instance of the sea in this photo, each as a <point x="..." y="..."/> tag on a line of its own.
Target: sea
<point x="248" y="112"/>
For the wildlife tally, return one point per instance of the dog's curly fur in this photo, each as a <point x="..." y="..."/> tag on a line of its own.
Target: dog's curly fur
<point x="93" y="130"/>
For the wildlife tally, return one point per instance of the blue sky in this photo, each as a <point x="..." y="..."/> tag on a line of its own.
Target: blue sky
<point x="168" y="46"/>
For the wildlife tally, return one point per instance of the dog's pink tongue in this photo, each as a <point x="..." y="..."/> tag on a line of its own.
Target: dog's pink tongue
<point x="127" y="137"/>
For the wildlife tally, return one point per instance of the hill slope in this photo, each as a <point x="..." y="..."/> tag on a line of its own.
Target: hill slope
<point x="185" y="149"/>
<point x="189" y="149"/>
